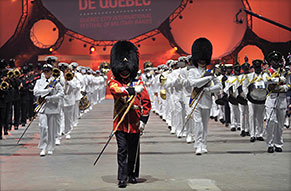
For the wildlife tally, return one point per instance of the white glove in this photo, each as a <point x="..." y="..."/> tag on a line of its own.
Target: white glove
<point x="138" y="89"/>
<point x="47" y="98"/>
<point x="282" y="79"/>
<point x="206" y="89"/>
<point x="141" y="127"/>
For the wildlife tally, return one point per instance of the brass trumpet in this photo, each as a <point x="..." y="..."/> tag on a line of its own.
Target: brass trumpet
<point x="56" y="72"/>
<point x="10" y="74"/>
<point x="4" y="85"/>
<point x="17" y="73"/>
<point x="69" y="76"/>
<point x="163" y="92"/>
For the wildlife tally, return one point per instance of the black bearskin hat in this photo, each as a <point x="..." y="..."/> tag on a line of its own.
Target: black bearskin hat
<point x="124" y="56"/>
<point x="201" y="50"/>
<point x="274" y="55"/>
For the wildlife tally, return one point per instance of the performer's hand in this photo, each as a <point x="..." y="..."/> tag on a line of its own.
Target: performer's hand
<point x="138" y="89"/>
<point x="141" y="127"/>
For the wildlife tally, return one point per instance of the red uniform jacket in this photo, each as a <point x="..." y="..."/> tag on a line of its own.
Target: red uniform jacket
<point x="140" y="108"/>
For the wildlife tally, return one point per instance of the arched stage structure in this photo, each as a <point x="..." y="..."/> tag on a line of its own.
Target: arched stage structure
<point x="68" y="29"/>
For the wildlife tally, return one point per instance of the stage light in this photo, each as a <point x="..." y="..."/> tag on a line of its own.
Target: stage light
<point x="85" y="45"/>
<point x="176" y="48"/>
<point x="180" y="17"/>
<point x="70" y="39"/>
<point x="104" y="48"/>
<point x="92" y="49"/>
<point x="138" y="45"/>
<point x="51" y="49"/>
<point x="191" y="1"/>
<point x="153" y="39"/>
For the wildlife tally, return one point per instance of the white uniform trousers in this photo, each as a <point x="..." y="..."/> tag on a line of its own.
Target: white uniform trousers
<point x="179" y="117"/>
<point x="61" y="122"/>
<point x="190" y="124"/>
<point x="214" y="111"/>
<point x="76" y="113"/>
<point x="221" y="111"/>
<point x="256" y="119"/>
<point x="274" y="126"/>
<point x="170" y="108"/>
<point x="68" y="111"/>
<point x="48" y="130"/>
<point x="201" y="117"/>
<point x="234" y="116"/>
<point x="244" y="117"/>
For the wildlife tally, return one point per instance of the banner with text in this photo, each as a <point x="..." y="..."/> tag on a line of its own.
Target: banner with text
<point x="111" y="19"/>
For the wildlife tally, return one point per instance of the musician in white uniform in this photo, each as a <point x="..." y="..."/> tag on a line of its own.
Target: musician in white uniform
<point x="50" y="89"/>
<point x="242" y="100"/>
<point x="255" y="90"/>
<point x="276" y="103"/>
<point x="231" y="90"/>
<point x="199" y="78"/>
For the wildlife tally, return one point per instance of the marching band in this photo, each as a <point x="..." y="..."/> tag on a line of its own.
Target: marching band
<point x="57" y="93"/>
<point x="253" y="99"/>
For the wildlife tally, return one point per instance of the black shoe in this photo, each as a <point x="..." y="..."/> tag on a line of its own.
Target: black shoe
<point x="243" y="133"/>
<point x="238" y="129"/>
<point x="23" y="124"/>
<point x="253" y="139"/>
<point x="233" y="129"/>
<point x="164" y="120"/>
<point x="222" y="121"/>
<point x="260" y="138"/>
<point x="270" y="149"/>
<point x="278" y="149"/>
<point x="211" y="117"/>
<point x="16" y="128"/>
<point x="215" y="118"/>
<point x="132" y="180"/>
<point x="226" y="124"/>
<point x="248" y="134"/>
<point x="121" y="184"/>
<point x="5" y="133"/>
<point x="169" y="127"/>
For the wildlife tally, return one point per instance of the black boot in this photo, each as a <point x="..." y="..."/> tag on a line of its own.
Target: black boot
<point x="253" y="139"/>
<point x="243" y="133"/>
<point x="121" y="184"/>
<point x="270" y="149"/>
<point x="132" y="180"/>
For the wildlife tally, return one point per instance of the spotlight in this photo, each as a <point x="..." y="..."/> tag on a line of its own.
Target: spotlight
<point x="54" y="29"/>
<point x="51" y="49"/>
<point x="85" y="45"/>
<point x="138" y="45"/>
<point x="92" y="49"/>
<point x="70" y="39"/>
<point x="180" y="17"/>
<point x="176" y="48"/>
<point x="32" y="1"/>
<point x="104" y="48"/>
<point x="191" y="1"/>
<point x="153" y="39"/>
